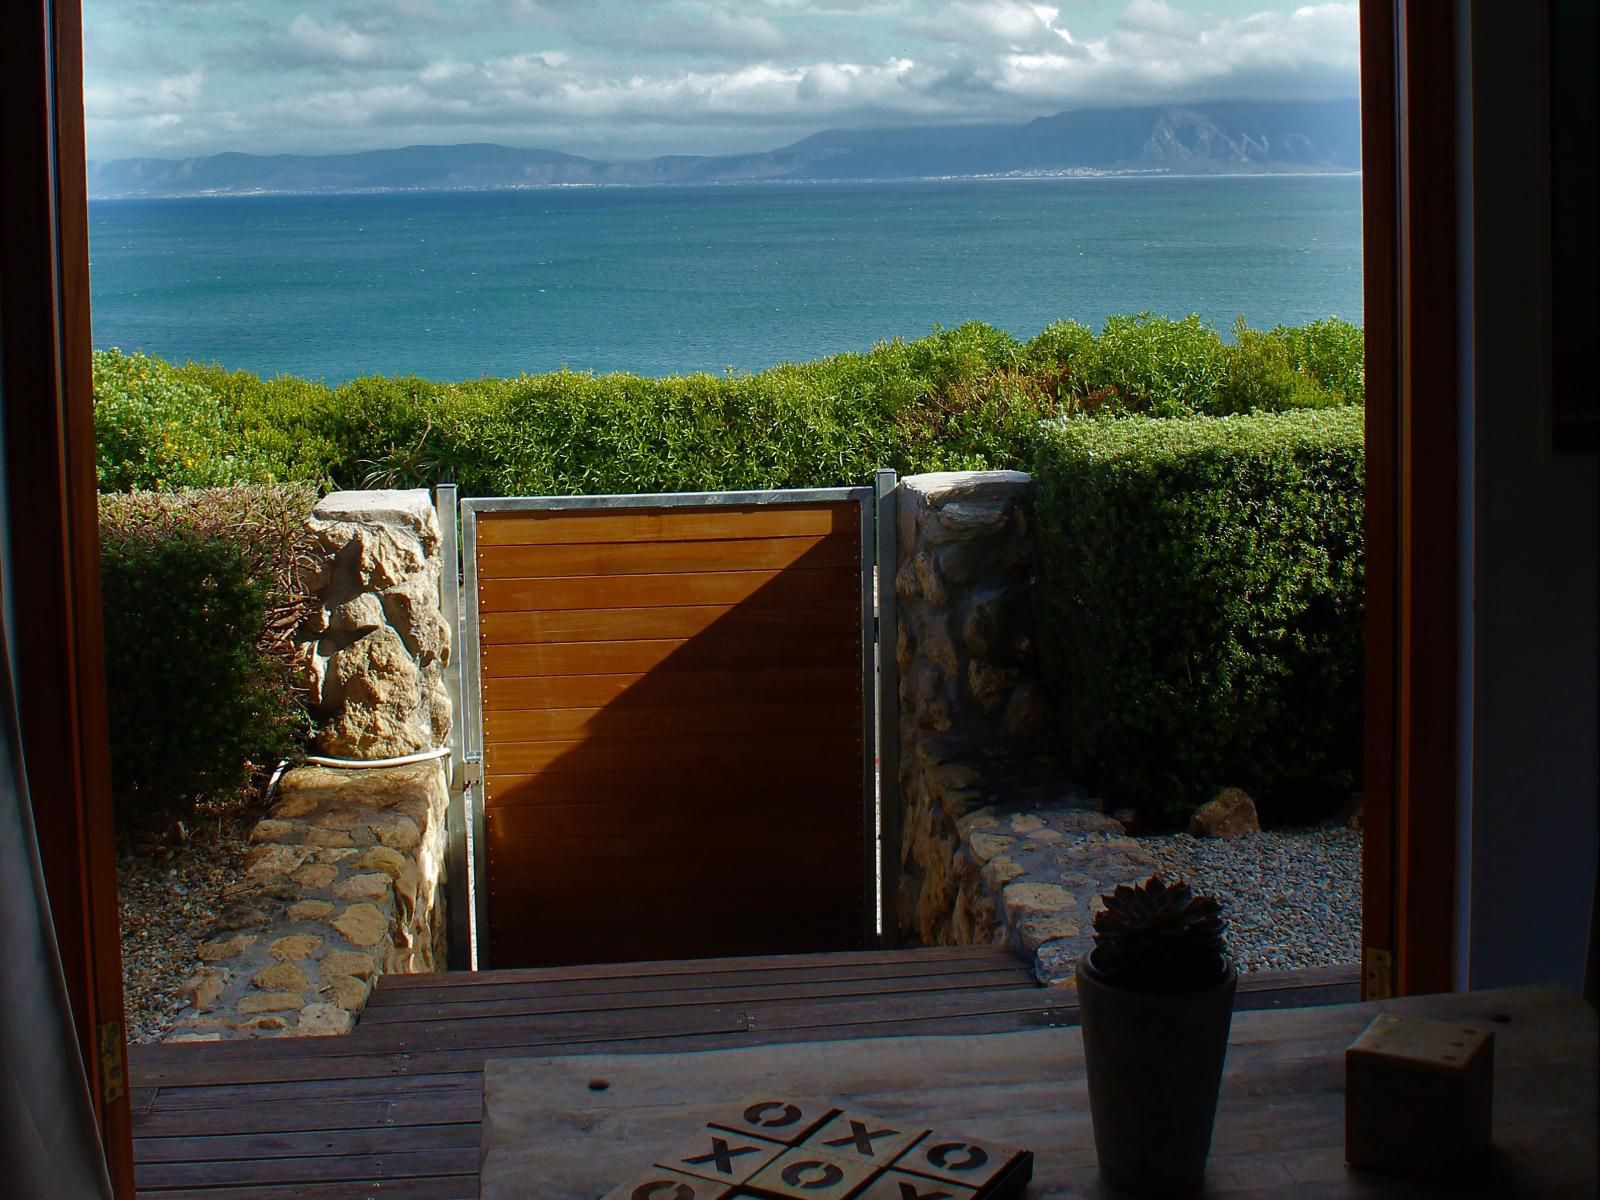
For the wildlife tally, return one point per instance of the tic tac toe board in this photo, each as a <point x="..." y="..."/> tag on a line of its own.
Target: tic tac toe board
<point x="792" y="1148"/>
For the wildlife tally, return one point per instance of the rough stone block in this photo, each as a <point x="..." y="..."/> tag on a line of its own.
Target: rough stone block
<point x="281" y="977"/>
<point x="314" y="878"/>
<point x="269" y="1002"/>
<point x="361" y="925"/>
<point x="375" y="886"/>
<point x="360" y="964"/>
<point x="215" y="951"/>
<point x="295" y="946"/>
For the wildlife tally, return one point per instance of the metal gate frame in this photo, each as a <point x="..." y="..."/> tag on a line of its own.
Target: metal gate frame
<point x="468" y="837"/>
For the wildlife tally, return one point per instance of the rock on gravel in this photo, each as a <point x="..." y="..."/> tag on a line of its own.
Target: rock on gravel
<point x="1292" y="896"/>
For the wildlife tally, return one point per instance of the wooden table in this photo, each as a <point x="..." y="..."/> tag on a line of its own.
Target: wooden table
<point x="549" y="1134"/>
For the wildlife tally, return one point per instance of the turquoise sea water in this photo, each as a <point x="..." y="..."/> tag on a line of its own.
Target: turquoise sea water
<point x="668" y="280"/>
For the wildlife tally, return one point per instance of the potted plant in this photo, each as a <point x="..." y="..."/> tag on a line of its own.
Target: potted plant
<point x="1155" y="996"/>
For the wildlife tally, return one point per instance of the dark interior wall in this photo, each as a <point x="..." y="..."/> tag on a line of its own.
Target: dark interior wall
<point x="1534" y="686"/>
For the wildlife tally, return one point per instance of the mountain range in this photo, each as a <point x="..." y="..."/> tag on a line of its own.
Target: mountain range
<point x="1236" y="137"/>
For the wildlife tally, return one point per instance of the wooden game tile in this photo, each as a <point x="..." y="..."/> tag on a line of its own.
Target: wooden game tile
<point x="961" y="1160"/>
<point x="897" y="1185"/>
<point x="661" y="1184"/>
<point x="806" y="1174"/>
<point x="778" y="1119"/>
<point x="720" y="1156"/>
<point x="864" y="1138"/>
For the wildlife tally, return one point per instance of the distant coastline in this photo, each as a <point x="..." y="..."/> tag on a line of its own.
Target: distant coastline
<point x="1233" y="138"/>
<point x="1015" y="177"/>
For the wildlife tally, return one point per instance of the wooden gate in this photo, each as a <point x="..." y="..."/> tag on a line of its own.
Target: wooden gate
<point x="673" y="708"/>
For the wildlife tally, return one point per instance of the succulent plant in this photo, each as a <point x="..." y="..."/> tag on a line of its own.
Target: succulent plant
<point x="1158" y="937"/>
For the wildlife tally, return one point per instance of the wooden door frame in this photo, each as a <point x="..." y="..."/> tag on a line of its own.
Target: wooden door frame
<point x="1411" y="197"/>
<point x="1412" y="755"/>
<point x="59" y="662"/>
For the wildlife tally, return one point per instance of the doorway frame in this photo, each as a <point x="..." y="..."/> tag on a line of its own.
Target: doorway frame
<point x="1410" y="119"/>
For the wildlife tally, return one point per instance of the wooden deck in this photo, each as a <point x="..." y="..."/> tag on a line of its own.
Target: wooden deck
<point x="392" y="1110"/>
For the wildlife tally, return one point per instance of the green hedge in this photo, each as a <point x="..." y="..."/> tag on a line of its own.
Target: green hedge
<point x="961" y="398"/>
<point x="201" y="596"/>
<point x="1200" y="607"/>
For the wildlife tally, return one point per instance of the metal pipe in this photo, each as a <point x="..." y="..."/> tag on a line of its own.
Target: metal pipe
<point x="403" y="760"/>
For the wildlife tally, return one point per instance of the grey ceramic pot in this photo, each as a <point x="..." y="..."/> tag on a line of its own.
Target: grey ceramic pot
<point x="1155" y="1068"/>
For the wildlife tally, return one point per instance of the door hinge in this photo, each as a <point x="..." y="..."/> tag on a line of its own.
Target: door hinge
<point x="472" y="774"/>
<point x="112" y="1073"/>
<point x="1378" y="974"/>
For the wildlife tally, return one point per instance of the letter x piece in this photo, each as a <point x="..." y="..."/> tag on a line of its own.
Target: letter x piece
<point x="864" y="1137"/>
<point x="894" y="1185"/>
<point x="720" y="1157"/>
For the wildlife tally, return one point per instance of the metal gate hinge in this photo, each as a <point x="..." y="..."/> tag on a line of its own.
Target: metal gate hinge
<point x="472" y="773"/>
<point x="112" y="1072"/>
<point x="1378" y="973"/>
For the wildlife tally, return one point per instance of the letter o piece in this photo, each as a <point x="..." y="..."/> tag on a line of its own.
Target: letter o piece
<point x="762" y="1114"/>
<point x="662" y="1184"/>
<point x="813" y="1175"/>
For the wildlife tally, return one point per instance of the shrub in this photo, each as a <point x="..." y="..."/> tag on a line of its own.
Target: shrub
<point x="1330" y="351"/>
<point x="965" y="397"/>
<point x="158" y="428"/>
<point x="201" y="596"/>
<point x="1200" y="606"/>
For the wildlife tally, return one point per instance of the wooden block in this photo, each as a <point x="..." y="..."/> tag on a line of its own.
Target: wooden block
<point x="727" y="1158"/>
<point x="864" y="1138"/>
<point x="964" y="1160"/>
<point x="788" y="1120"/>
<point x="660" y="1184"/>
<point x="897" y="1185"/>
<point x="1419" y="1097"/>
<point x="802" y="1173"/>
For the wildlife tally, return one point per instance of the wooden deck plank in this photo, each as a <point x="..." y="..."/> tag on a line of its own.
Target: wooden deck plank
<point x="392" y="1109"/>
<point x="446" y="1187"/>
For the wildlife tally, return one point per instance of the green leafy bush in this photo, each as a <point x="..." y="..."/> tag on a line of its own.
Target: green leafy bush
<point x="1200" y="606"/>
<point x="960" y="398"/>
<point x="158" y="428"/>
<point x="200" y="593"/>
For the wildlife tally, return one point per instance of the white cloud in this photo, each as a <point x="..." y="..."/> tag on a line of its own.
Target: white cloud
<point x="569" y="74"/>
<point x="313" y="41"/>
<point x="1009" y="23"/>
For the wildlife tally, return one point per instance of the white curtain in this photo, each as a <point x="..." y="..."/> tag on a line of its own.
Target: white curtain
<point x="49" y="1141"/>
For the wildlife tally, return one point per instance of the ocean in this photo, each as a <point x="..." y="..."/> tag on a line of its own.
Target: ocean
<point x="669" y="280"/>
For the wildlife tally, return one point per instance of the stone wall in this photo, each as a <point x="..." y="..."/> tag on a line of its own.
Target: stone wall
<point x="996" y="846"/>
<point x="343" y="881"/>
<point x="971" y="707"/>
<point x="376" y="649"/>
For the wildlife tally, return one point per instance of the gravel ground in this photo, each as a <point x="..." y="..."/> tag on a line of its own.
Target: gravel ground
<point x="169" y="889"/>
<point x="1292" y="897"/>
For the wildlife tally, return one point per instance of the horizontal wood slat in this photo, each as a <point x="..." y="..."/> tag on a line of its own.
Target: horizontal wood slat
<point x="631" y="624"/>
<point x="752" y="751"/>
<point x="645" y="816"/>
<point x="711" y="651"/>
<point x="670" y="688"/>
<point x="810" y="784"/>
<point x="780" y="588"/>
<point x="531" y="528"/>
<point x="683" y="852"/>
<point x="761" y="714"/>
<point x="661" y="558"/>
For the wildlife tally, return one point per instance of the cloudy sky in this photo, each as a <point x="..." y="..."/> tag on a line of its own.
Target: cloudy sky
<point x="631" y="78"/>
